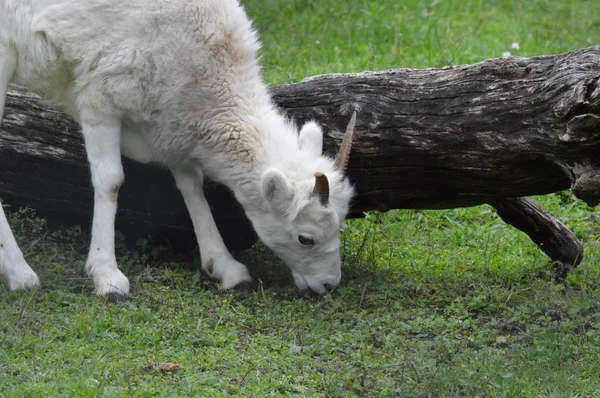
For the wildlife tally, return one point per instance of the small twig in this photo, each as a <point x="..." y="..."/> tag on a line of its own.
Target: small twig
<point x="362" y="296"/>
<point x="22" y="315"/>
<point x="236" y="311"/>
<point x="35" y="373"/>
<point x="244" y="377"/>
<point x="403" y="366"/>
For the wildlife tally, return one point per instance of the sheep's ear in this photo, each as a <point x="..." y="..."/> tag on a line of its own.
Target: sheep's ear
<point x="276" y="189"/>
<point x="311" y="138"/>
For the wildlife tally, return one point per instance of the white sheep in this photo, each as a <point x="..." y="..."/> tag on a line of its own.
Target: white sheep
<point x="177" y="82"/>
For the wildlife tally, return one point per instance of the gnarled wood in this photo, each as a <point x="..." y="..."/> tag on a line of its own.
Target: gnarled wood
<point x="435" y="138"/>
<point x="552" y="236"/>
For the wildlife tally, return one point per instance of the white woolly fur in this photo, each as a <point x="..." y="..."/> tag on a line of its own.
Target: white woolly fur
<point x="175" y="82"/>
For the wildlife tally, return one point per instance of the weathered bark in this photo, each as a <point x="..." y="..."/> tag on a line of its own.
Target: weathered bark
<point x="429" y="139"/>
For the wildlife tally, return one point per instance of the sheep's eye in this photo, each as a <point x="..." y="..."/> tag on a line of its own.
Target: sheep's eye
<point x="305" y="240"/>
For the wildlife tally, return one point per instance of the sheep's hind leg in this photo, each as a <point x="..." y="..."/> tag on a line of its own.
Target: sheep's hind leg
<point x="216" y="259"/>
<point x="102" y="135"/>
<point x="13" y="267"/>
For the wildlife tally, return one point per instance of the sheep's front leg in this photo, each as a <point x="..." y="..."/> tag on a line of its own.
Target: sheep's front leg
<point x="13" y="267"/>
<point x="216" y="259"/>
<point x="102" y="136"/>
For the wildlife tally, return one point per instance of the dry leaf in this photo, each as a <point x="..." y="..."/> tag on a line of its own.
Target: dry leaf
<point x="169" y="367"/>
<point x="502" y="340"/>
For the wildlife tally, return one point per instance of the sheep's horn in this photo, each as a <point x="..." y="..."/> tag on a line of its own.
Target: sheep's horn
<point x="322" y="188"/>
<point x="341" y="161"/>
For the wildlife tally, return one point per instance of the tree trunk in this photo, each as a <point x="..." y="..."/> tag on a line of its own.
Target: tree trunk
<point x="427" y="139"/>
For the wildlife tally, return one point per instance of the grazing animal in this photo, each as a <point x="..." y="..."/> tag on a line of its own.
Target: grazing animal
<point x="177" y="82"/>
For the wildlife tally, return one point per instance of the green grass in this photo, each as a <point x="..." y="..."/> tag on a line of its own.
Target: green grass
<point x="433" y="303"/>
<point x="308" y="37"/>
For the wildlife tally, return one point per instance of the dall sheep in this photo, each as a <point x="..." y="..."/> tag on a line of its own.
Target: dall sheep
<point x="177" y="82"/>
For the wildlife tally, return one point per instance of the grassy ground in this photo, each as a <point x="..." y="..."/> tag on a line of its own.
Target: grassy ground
<point x="433" y="303"/>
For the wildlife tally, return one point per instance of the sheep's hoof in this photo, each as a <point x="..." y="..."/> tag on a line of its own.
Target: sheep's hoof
<point x="245" y="287"/>
<point x="116" y="298"/>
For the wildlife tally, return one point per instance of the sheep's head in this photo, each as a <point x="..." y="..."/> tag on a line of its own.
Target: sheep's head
<point x="306" y="209"/>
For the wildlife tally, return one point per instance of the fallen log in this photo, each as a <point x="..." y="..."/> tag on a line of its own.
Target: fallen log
<point x="428" y="139"/>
